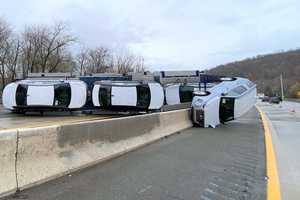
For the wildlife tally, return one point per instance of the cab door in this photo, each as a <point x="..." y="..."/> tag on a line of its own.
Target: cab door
<point x="40" y="95"/>
<point x="226" y="111"/>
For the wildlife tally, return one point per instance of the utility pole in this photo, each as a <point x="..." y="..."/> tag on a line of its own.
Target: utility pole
<point x="281" y="84"/>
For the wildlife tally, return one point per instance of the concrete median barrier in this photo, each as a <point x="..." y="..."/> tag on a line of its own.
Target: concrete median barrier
<point x="49" y="152"/>
<point x="8" y="147"/>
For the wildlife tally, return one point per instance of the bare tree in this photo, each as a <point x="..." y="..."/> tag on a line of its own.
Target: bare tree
<point x="13" y="58"/>
<point x="31" y="46"/>
<point x="45" y="48"/>
<point x="5" y="35"/>
<point x="54" y="47"/>
<point x="81" y="60"/>
<point x="97" y="60"/>
<point x="126" y="62"/>
<point x="139" y="64"/>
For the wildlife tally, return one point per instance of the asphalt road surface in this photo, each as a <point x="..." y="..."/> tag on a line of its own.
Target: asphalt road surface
<point x="285" y="122"/>
<point x="209" y="164"/>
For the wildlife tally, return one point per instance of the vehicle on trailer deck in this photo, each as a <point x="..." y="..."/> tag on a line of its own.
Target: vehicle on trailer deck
<point x="44" y="95"/>
<point x="92" y="78"/>
<point x="275" y="100"/>
<point x="179" y="93"/>
<point x="128" y="95"/>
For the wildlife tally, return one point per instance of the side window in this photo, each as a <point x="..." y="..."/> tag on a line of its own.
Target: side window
<point x="21" y="95"/>
<point x="105" y="96"/>
<point x="237" y="91"/>
<point x="62" y="95"/>
<point x="240" y="89"/>
<point x="143" y="96"/>
<point x="186" y="93"/>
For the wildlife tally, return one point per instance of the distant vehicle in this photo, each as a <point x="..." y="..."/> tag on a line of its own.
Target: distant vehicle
<point x="180" y="93"/>
<point x="128" y="95"/>
<point x="265" y="99"/>
<point x="44" y="95"/>
<point x="275" y="100"/>
<point x="224" y="102"/>
<point x="260" y="95"/>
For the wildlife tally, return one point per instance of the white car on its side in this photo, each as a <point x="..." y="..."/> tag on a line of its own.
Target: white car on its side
<point x="180" y="93"/>
<point x="128" y="95"/>
<point x="44" y="95"/>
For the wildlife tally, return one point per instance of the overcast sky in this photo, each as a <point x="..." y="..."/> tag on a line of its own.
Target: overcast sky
<point x="171" y="34"/>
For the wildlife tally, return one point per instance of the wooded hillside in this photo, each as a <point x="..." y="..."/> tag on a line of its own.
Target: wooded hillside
<point x="265" y="71"/>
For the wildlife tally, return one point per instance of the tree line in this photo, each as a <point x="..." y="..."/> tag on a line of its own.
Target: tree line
<point x="48" y="48"/>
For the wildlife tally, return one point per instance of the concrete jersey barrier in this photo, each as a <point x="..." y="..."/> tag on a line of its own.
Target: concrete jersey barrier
<point x="46" y="153"/>
<point x="8" y="148"/>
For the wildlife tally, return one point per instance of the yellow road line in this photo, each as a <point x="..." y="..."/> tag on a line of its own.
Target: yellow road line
<point x="61" y="122"/>
<point x="273" y="186"/>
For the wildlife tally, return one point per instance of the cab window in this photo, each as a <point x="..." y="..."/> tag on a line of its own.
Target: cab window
<point x="237" y="91"/>
<point x="143" y="96"/>
<point x="62" y="95"/>
<point x="21" y="95"/>
<point x="186" y="93"/>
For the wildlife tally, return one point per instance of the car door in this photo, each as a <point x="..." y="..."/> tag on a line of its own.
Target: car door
<point x="40" y="95"/>
<point x="123" y="96"/>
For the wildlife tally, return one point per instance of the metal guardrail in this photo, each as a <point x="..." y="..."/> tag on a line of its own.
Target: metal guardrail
<point x="292" y="99"/>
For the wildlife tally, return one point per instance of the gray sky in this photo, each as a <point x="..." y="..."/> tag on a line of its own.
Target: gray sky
<point x="171" y="34"/>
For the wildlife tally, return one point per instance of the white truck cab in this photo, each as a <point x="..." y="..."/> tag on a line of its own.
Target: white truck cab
<point x="224" y="102"/>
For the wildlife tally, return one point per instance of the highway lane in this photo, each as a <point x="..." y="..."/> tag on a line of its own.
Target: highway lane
<point x="285" y="124"/>
<point x="223" y="163"/>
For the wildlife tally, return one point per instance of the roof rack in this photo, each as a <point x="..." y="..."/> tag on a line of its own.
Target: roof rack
<point x="49" y="76"/>
<point x="103" y="75"/>
<point x="165" y="77"/>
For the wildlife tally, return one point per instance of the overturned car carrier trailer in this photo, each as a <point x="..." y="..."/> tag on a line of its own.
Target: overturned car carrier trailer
<point x="214" y="99"/>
